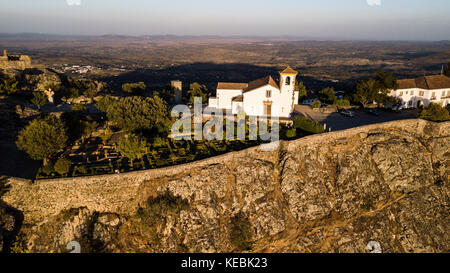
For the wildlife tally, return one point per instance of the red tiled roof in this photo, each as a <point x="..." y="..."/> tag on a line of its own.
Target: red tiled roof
<point x="288" y="70"/>
<point x="232" y="86"/>
<point x="427" y="82"/>
<point x="406" y="84"/>
<point x="238" y="99"/>
<point x="260" y="83"/>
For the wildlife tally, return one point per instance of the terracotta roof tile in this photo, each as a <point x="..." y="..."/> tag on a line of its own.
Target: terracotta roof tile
<point x="406" y="84"/>
<point x="232" y="86"/>
<point x="288" y="70"/>
<point x="260" y="83"/>
<point x="238" y="99"/>
<point x="427" y="82"/>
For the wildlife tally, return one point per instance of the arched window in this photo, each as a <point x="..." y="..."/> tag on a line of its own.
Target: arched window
<point x="288" y="80"/>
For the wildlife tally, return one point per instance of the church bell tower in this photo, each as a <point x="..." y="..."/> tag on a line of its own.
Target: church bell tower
<point x="287" y="79"/>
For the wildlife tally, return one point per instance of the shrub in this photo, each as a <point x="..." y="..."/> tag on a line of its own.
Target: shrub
<point x="308" y="125"/>
<point x="342" y="102"/>
<point x="81" y="169"/>
<point x="9" y="86"/>
<point x="434" y="112"/>
<point x="291" y="133"/>
<point x="153" y="216"/>
<point x="241" y="235"/>
<point x="48" y="168"/>
<point x="316" y="104"/>
<point x="39" y="99"/>
<point x="79" y="108"/>
<point x="62" y="166"/>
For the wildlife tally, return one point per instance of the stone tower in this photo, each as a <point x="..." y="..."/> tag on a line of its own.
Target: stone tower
<point x="5" y="53"/>
<point x="177" y="88"/>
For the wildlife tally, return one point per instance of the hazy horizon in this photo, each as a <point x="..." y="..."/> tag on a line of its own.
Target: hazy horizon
<point x="368" y="20"/>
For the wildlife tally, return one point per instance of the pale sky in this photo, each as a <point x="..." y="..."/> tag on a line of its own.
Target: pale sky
<point x="334" y="19"/>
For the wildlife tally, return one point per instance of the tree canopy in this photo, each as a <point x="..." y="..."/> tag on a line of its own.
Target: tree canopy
<point x="327" y="95"/>
<point x="104" y="103"/>
<point x="366" y="91"/>
<point x="375" y="89"/>
<point x="134" y="88"/>
<point x="198" y="90"/>
<point x="132" y="147"/>
<point x="42" y="138"/>
<point x="302" y="92"/>
<point x="447" y="71"/>
<point x="137" y="113"/>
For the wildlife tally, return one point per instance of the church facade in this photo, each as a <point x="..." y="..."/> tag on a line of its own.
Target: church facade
<point x="263" y="97"/>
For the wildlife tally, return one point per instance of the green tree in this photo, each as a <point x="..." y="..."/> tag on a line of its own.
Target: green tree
<point x="39" y="99"/>
<point x="104" y="103"/>
<point x="198" y="90"/>
<point x="447" y="71"/>
<point x="366" y="91"/>
<point x="302" y="92"/>
<point x="43" y="138"/>
<point x="434" y="112"/>
<point x="9" y="86"/>
<point x="134" y="88"/>
<point x="342" y="102"/>
<point x="386" y="82"/>
<point x="327" y="95"/>
<point x="87" y="128"/>
<point x="132" y="147"/>
<point x="136" y="113"/>
<point x="291" y="133"/>
<point x="62" y="166"/>
<point x="316" y="104"/>
<point x="166" y="94"/>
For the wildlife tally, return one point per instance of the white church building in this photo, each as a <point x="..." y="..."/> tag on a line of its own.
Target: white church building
<point x="262" y="97"/>
<point x="422" y="91"/>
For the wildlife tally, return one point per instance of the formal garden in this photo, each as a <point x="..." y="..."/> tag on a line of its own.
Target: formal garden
<point x="125" y="134"/>
<point x="131" y="131"/>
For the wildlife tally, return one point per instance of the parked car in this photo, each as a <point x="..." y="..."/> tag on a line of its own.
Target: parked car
<point x="347" y="113"/>
<point x="373" y="112"/>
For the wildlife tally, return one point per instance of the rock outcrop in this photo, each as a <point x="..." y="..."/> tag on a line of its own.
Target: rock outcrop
<point x="334" y="192"/>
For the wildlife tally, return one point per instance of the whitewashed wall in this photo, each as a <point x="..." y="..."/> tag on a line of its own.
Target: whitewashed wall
<point x="225" y="96"/>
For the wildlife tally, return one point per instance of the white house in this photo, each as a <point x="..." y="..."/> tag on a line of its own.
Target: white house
<point x="423" y="90"/>
<point x="262" y="97"/>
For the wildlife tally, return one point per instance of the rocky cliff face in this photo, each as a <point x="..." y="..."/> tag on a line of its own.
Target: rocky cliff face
<point x="335" y="192"/>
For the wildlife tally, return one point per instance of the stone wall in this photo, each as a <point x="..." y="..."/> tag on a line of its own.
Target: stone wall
<point x="122" y="193"/>
<point x="21" y="62"/>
